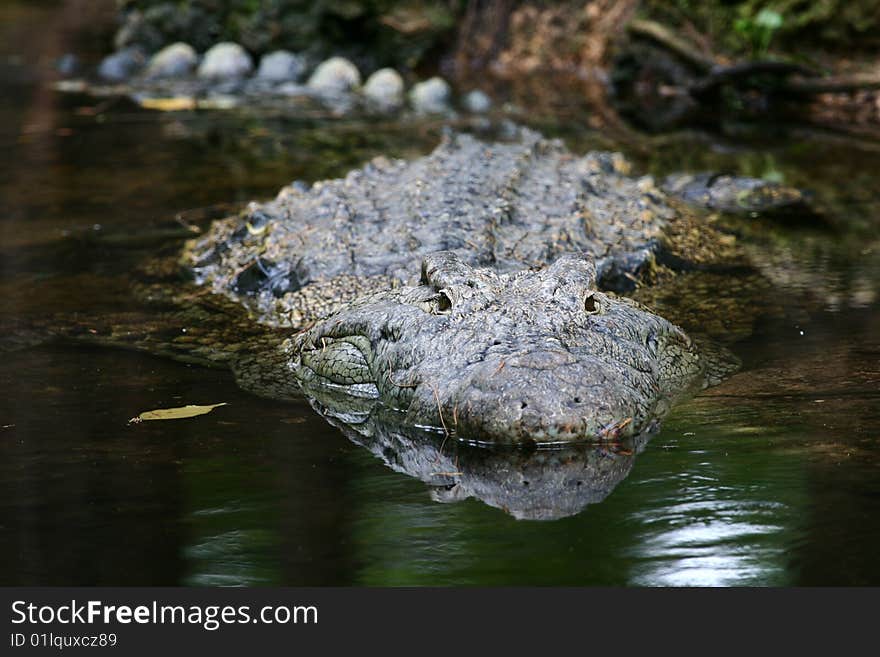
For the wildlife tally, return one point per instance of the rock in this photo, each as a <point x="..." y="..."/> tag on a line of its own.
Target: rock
<point x="226" y="87"/>
<point x="226" y="60"/>
<point x="67" y="65"/>
<point x="153" y="24"/>
<point x="336" y="75"/>
<point x="476" y="102"/>
<point x="121" y="65"/>
<point x="137" y="31"/>
<point x="172" y="61"/>
<point x="291" y="89"/>
<point x="281" y="66"/>
<point x="431" y="96"/>
<point x="384" y="89"/>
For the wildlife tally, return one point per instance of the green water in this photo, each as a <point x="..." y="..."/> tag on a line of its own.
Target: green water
<point x="772" y="478"/>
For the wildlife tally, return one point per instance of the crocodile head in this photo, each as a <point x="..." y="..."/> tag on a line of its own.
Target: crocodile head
<point x="534" y="356"/>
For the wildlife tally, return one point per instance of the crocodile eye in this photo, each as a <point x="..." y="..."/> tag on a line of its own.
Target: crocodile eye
<point x="438" y="303"/>
<point x="590" y="304"/>
<point x="340" y="361"/>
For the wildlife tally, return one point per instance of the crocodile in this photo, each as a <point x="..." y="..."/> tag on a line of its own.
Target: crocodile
<point x="476" y="290"/>
<point x="738" y="194"/>
<point x="528" y="484"/>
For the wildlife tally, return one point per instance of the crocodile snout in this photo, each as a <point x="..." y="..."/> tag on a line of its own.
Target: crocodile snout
<point x="537" y="356"/>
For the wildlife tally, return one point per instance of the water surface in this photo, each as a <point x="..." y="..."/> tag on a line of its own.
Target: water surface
<point x="772" y="478"/>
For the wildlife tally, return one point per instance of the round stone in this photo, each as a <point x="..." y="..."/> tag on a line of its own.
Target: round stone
<point x="476" y="102"/>
<point x="336" y="75"/>
<point x="431" y="96"/>
<point x="67" y="65"/>
<point x="121" y="65"/>
<point x="173" y="61"/>
<point x="384" y="89"/>
<point x="226" y="61"/>
<point x="281" y="66"/>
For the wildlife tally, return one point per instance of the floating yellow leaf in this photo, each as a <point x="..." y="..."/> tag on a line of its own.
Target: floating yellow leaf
<point x="191" y="410"/>
<point x="169" y="104"/>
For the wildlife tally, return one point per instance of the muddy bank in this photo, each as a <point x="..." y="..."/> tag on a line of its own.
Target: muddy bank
<point x="659" y="66"/>
<point x="666" y="65"/>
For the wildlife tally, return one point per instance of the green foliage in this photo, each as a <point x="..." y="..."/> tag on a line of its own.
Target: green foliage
<point x="758" y="30"/>
<point x="752" y="27"/>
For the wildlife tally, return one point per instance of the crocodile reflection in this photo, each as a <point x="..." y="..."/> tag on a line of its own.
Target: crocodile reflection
<point x="528" y="484"/>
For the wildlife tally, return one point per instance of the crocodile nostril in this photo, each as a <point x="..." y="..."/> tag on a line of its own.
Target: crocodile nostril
<point x="390" y="333"/>
<point x="577" y="400"/>
<point x="444" y="303"/>
<point x="590" y="304"/>
<point x="523" y="405"/>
